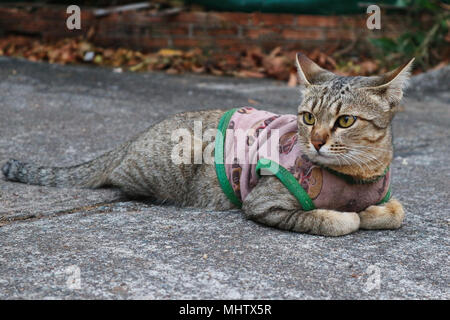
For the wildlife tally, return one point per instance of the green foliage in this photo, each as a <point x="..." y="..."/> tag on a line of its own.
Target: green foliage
<point x="427" y="42"/>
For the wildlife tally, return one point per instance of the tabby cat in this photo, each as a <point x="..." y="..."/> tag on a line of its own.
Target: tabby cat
<point x="343" y="128"/>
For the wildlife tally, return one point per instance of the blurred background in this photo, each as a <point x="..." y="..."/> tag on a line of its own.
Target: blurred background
<point x="240" y="38"/>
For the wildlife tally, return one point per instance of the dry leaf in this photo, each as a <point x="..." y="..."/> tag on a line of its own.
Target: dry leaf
<point x="292" y="82"/>
<point x="169" y="52"/>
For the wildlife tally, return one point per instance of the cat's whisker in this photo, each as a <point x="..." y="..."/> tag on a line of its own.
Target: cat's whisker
<point x="365" y="160"/>
<point x="349" y="159"/>
<point x="344" y="159"/>
<point x="339" y="160"/>
<point x="357" y="161"/>
<point x="354" y="161"/>
<point x="359" y="147"/>
<point x="368" y="147"/>
<point x="359" y="153"/>
<point x="367" y="156"/>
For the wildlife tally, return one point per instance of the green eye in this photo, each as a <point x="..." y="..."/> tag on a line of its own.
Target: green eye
<point x="308" y="118"/>
<point x="345" y="121"/>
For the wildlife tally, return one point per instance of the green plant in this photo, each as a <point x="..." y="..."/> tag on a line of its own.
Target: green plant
<point x="427" y="42"/>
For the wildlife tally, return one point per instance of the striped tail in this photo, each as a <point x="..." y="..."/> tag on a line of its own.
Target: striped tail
<point x="91" y="174"/>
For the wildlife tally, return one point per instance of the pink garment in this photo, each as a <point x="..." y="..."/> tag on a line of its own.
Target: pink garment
<point x="254" y="134"/>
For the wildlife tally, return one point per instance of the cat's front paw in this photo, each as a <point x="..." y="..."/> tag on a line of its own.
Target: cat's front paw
<point x="387" y="216"/>
<point x="329" y="223"/>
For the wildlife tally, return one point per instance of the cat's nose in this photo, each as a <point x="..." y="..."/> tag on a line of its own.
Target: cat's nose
<point x="318" y="144"/>
<point x="318" y="138"/>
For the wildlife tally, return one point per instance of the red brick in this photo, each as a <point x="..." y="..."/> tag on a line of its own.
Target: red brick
<point x="298" y="45"/>
<point x="301" y="45"/>
<point x="30" y="26"/>
<point x="380" y="34"/>
<point x="215" y="31"/>
<point x="157" y="30"/>
<point x="16" y="15"/>
<point x="211" y="30"/>
<point x="317" y="21"/>
<point x="230" y="45"/>
<point x="256" y="33"/>
<point x="111" y="28"/>
<point x="189" y="17"/>
<point x="136" y="18"/>
<point x="228" y="42"/>
<point x="185" y="42"/>
<point x="51" y="13"/>
<point x="302" y="34"/>
<point x="357" y="21"/>
<point x="59" y="33"/>
<point x="230" y="17"/>
<point x="339" y="34"/>
<point x="86" y="15"/>
<point x="265" y="19"/>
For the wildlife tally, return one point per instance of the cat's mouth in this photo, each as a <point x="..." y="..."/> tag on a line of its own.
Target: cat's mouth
<point x="324" y="157"/>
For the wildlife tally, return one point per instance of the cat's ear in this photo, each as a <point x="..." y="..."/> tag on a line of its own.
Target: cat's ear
<point x="309" y="72"/>
<point x="390" y="85"/>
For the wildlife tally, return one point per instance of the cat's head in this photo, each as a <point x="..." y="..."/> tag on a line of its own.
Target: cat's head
<point x="344" y="122"/>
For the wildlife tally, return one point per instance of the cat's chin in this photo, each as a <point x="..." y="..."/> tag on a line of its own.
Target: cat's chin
<point x="324" y="160"/>
<point x="369" y="171"/>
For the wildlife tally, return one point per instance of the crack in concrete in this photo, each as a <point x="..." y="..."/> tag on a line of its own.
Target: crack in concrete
<point x="33" y="217"/>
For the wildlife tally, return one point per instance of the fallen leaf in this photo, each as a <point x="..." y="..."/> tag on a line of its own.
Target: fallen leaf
<point x="169" y="52"/>
<point x="293" y="80"/>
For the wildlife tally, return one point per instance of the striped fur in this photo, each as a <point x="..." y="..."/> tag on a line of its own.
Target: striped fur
<point x="142" y="167"/>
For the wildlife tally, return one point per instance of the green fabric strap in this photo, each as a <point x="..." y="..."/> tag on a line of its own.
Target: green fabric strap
<point x="386" y="197"/>
<point x="289" y="181"/>
<point x="219" y="158"/>
<point x="286" y="178"/>
<point x="352" y="180"/>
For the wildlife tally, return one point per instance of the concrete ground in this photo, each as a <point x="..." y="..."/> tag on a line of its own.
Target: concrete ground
<point x="92" y="244"/>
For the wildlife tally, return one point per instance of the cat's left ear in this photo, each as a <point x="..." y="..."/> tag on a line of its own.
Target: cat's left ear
<point x="390" y="85"/>
<point x="309" y="72"/>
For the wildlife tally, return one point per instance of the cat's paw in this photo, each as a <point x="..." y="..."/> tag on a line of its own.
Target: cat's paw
<point x="387" y="216"/>
<point x="331" y="223"/>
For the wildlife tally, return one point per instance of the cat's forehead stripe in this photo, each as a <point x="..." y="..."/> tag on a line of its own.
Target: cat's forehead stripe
<point x="332" y="102"/>
<point x="317" y="104"/>
<point x="338" y="107"/>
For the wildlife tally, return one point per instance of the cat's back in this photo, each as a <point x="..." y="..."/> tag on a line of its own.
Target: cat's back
<point x="162" y="161"/>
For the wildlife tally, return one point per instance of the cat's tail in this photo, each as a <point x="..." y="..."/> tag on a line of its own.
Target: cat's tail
<point x="91" y="174"/>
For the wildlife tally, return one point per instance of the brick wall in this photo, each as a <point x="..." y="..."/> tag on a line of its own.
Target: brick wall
<point x="143" y="30"/>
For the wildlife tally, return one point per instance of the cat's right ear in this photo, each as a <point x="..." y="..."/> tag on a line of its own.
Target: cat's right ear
<point x="309" y="72"/>
<point x="390" y="85"/>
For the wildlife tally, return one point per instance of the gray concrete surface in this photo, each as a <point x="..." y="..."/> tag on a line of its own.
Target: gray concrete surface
<point x="123" y="249"/>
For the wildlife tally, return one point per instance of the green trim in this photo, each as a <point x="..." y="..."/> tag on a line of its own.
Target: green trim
<point x="288" y="180"/>
<point x="219" y="158"/>
<point x="386" y="197"/>
<point x="352" y="180"/>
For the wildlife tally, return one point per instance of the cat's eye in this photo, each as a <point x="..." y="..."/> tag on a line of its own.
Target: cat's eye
<point x="308" y="118"/>
<point x="345" y="121"/>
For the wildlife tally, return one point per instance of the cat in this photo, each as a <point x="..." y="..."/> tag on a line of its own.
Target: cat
<point x="343" y="124"/>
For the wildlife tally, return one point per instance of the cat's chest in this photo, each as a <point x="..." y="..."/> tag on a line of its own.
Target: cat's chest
<point x="255" y="136"/>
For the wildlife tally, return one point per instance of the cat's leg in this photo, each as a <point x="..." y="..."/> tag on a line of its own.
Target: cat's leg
<point x="320" y="221"/>
<point x="387" y="216"/>
<point x="270" y="203"/>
